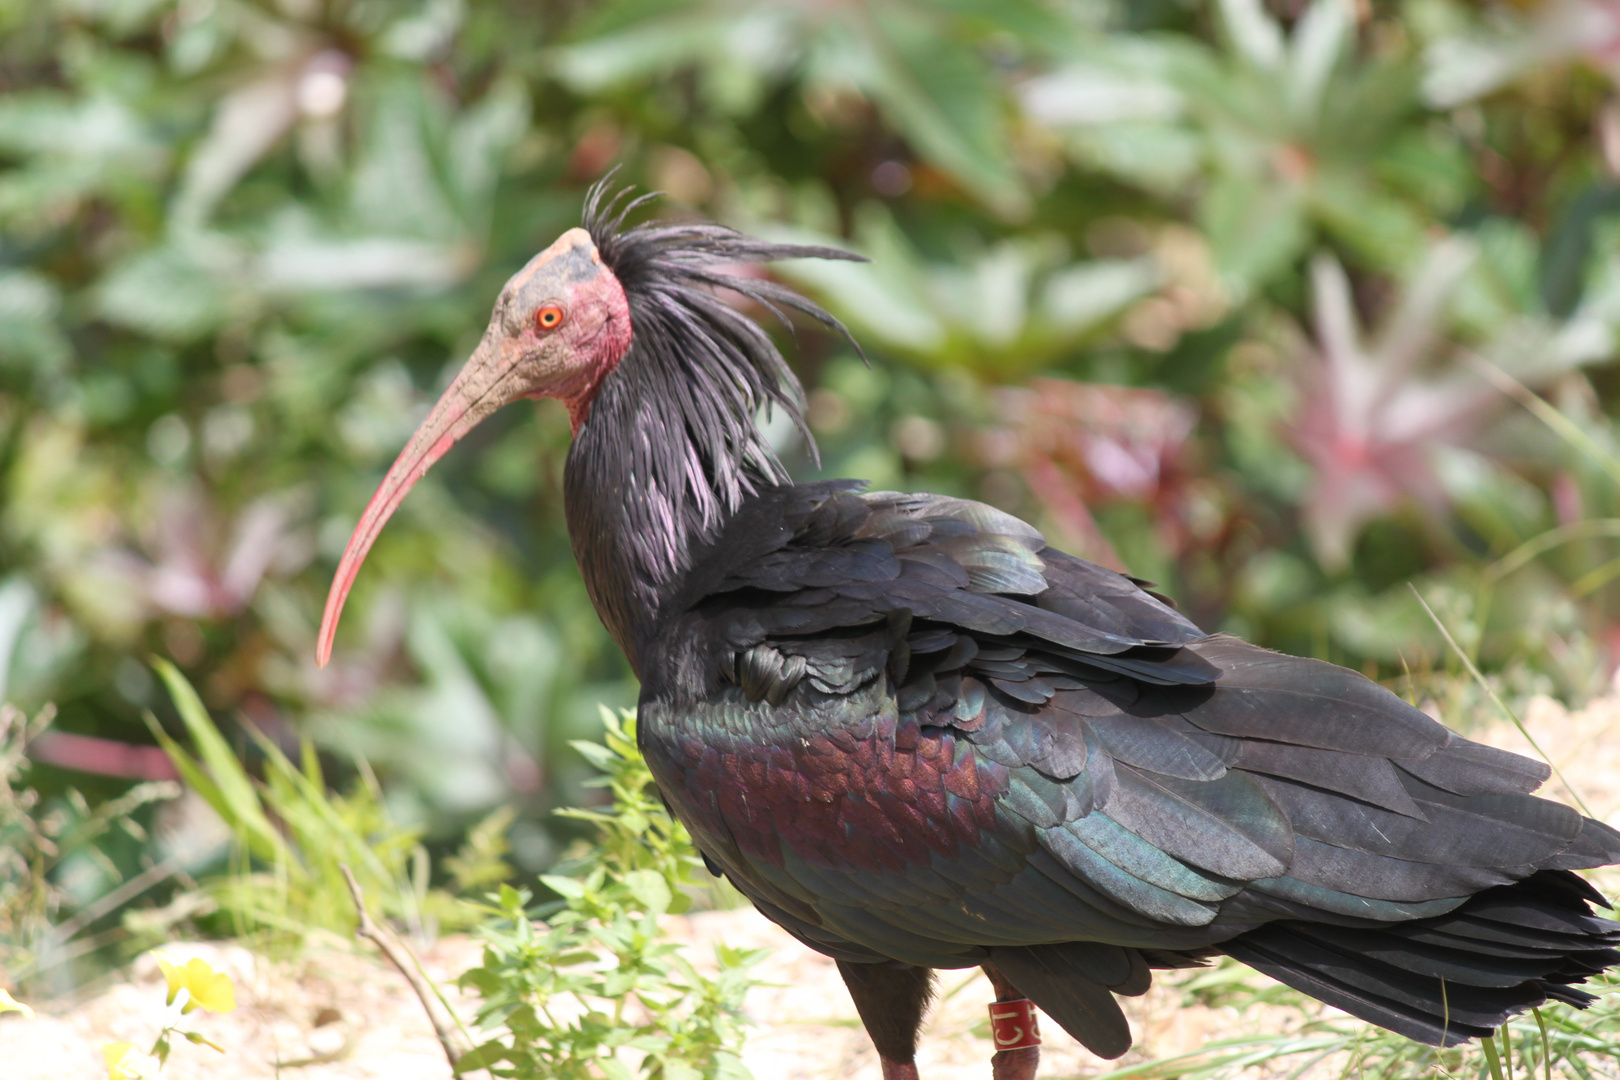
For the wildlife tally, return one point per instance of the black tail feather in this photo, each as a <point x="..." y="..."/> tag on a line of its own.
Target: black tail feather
<point x="1596" y="845"/>
<point x="1424" y="1025"/>
<point x="1457" y="965"/>
<point x="1454" y="977"/>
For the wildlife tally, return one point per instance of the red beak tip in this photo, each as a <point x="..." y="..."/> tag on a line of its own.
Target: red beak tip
<point x="325" y="641"/>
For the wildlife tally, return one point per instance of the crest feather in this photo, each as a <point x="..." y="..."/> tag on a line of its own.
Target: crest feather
<point x="710" y="368"/>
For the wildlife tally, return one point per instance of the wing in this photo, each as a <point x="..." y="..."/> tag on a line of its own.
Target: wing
<point x="910" y="730"/>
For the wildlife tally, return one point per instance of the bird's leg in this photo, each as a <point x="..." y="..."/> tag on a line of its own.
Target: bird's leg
<point x="1012" y="1025"/>
<point x="891" y="999"/>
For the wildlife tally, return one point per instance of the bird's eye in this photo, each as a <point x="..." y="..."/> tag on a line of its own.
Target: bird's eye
<point x="549" y="317"/>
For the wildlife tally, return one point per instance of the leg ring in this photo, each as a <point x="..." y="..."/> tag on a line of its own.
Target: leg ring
<point x="1013" y="1024"/>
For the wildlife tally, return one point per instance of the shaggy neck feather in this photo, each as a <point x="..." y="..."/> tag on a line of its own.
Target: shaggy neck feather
<point x="640" y="495"/>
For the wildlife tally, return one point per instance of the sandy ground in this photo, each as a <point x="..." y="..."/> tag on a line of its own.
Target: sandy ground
<point x="363" y="1015"/>
<point x="359" y="1015"/>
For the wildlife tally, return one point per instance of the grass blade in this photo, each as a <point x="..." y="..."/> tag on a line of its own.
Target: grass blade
<point x="1494" y="1063"/>
<point x="1546" y="1044"/>
<point x="266" y="845"/>
<point x="1561" y="425"/>
<point x="1525" y="553"/>
<point x="239" y="803"/>
<point x="1474" y="671"/>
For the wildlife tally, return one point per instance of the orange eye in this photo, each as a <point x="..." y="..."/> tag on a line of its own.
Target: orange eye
<point x="549" y="317"/>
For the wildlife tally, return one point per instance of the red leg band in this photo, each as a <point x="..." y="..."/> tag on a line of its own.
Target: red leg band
<point x="1013" y="1025"/>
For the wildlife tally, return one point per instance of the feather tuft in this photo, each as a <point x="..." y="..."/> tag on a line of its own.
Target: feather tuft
<point x="673" y="430"/>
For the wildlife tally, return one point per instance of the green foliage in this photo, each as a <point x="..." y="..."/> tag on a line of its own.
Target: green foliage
<point x="1556" y="1039"/>
<point x="587" y="987"/>
<point x="638" y="834"/>
<point x="292" y="838"/>
<point x="38" y="840"/>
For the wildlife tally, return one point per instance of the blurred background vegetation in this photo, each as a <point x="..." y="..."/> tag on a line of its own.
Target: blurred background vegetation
<point x="1215" y="292"/>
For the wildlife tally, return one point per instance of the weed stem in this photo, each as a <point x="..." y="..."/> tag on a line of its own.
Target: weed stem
<point x="399" y="954"/>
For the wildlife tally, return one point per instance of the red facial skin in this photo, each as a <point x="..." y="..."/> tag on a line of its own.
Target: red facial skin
<point x="517" y="358"/>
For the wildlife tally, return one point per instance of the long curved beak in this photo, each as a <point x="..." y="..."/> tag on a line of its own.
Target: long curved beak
<point x="479" y="389"/>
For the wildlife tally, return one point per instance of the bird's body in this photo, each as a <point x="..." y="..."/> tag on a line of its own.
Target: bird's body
<point x="911" y="733"/>
<point x="917" y="737"/>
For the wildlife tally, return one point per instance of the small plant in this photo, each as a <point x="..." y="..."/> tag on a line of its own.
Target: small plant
<point x="293" y="837"/>
<point x="193" y="985"/>
<point x="1324" y="1043"/>
<point x="586" y="988"/>
<point x="37" y="837"/>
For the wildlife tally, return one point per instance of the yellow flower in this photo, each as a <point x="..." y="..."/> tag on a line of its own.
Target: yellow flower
<point x="124" y="1062"/>
<point x="205" y="988"/>
<point x="11" y="1004"/>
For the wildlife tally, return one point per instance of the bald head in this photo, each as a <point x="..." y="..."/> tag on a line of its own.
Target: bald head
<point x="571" y="261"/>
<point x="560" y="326"/>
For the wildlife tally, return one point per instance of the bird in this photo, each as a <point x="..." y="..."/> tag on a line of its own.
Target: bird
<point x="919" y="737"/>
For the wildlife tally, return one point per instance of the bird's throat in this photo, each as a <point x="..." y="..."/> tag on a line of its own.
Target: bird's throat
<point x="608" y="345"/>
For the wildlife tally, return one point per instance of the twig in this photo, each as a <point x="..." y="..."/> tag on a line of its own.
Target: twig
<point x="130" y="889"/>
<point x="399" y="954"/>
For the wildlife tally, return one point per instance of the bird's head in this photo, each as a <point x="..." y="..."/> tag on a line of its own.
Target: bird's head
<point x="560" y="325"/>
<point x="564" y="322"/>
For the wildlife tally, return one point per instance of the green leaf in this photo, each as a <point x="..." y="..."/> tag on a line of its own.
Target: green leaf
<point x="647" y="48"/>
<point x="397" y="187"/>
<point x="177" y="292"/>
<point x="563" y="886"/>
<point x="1254" y="34"/>
<point x="1487" y="1043"/>
<point x="650" y="888"/>
<point x="97" y="127"/>
<point x="1383" y="230"/>
<point x="29" y="306"/>
<point x="1317" y="45"/>
<point x="938" y="93"/>
<point x="483" y="1056"/>
<point x="597" y="754"/>
<point x="1085" y="294"/>
<point x="227" y="781"/>
<point x="1163" y="158"/>
<point x="1255" y="230"/>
